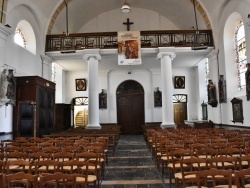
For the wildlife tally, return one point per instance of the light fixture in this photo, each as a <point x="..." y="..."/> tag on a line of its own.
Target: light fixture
<point x="126" y="7"/>
<point x="196" y="47"/>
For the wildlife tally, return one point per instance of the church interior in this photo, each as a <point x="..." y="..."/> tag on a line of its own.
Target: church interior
<point x="135" y="75"/>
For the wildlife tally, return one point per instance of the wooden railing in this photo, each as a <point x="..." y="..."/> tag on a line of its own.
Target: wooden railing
<point x="149" y="39"/>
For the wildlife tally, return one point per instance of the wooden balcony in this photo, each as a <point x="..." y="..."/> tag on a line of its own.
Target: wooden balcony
<point x="149" y="39"/>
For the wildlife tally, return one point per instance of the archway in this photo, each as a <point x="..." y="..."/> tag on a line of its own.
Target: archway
<point x="130" y="107"/>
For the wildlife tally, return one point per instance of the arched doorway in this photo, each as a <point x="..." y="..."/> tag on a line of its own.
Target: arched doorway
<point x="130" y="107"/>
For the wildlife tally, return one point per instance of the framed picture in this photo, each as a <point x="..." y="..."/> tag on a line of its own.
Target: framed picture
<point x="81" y="84"/>
<point x="237" y="110"/>
<point x="179" y="82"/>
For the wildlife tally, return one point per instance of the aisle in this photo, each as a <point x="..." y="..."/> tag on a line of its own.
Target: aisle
<point x="132" y="166"/>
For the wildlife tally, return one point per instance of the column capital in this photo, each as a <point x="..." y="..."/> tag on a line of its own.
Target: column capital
<point x="4" y="32"/>
<point x="160" y="55"/>
<point x="213" y="54"/>
<point x="94" y="53"/>
<point x="46" y="58"/>
<point x="86" y="57"/>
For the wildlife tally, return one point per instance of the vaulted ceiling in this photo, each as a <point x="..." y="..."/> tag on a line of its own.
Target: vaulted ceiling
<point x="179" y="12"/>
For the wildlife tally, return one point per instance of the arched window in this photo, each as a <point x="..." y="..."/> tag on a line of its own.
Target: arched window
<point x="19" y="38"/>
<point x="25" y="36"/>
<point x="240" y="49"/>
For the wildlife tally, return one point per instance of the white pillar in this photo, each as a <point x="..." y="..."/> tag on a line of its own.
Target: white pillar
<point x="93" y="57"/>
<point x="167" y="89"/>
<point x="46" y="71"/>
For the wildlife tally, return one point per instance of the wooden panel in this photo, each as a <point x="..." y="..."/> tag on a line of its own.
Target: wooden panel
<point x="180" y="113"/>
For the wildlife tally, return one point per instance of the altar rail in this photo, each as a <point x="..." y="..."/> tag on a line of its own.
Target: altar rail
<point x="149" y="39"/>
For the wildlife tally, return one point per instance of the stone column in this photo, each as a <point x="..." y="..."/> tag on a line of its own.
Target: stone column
<point x="167" y="89"/>
<point x="46" y="71"/>
<point x="92" y="57"/>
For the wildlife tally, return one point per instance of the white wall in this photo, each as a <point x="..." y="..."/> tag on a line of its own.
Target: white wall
<point x="149" y="21"/>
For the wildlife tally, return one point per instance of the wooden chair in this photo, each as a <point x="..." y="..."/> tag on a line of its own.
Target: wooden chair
<point x="84" y="171"/>
<point x="39" y="156"/>
<point x="189" y="168"/>
<point x="215" y="178"/>
<point x="167" y="156"/>
<point x="18" y="166"/>
<point x="63" y="156"/>
<point x="99" y="158"/>
<point x="47" y="166"/>
<point x="15" y="156"/>
<point x="20" y="179"/>
<point x="242" y="178"/>
<point x="51" y="149"/>
<point x="2" y="166"/>
<point x="175" y="165"/>
<point x="57" y="179"/>
<point x="244" y="162"/>
<point x="94" y="159"/>
<point x="223" y="162"/>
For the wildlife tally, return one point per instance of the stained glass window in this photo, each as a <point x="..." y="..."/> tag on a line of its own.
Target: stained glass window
<point x="19" y="38"/>
<point x="240" y="49"/>
<point x="207" y="70"/>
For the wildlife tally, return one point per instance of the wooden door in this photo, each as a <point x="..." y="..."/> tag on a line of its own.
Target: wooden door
<point x="180" y="113"/>
<point x="130" y="107"/>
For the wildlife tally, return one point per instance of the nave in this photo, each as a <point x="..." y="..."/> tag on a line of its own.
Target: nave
<point x="132" y="166"/>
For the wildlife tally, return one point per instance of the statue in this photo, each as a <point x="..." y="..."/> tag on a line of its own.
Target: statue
<point x="3" y="85"/>
<point x="102" y="100"/>
<point x="222" y="90"/>
<point x="247" y="77"/>
<point x="211" y="94"/>
<point x="157" y="98"/>
<point x="11" y="88"/>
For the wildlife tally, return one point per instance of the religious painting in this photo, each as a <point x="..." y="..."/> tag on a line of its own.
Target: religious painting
<point x="237" y="110"/>
<point x="179" y="82"/>
<point x="129" y="48"/>
<point x="81" y="84"/>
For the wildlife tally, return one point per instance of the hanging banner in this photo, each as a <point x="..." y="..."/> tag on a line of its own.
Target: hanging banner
<point x="129" y="48"/>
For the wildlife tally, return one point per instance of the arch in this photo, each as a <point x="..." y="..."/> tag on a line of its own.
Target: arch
<point x="62" y="5"/>
<point x="55" y="15"/>
<point x="130" y="107"/>
<point x="229" y="53"/>
<point x="129" y="87"/>
<point x="203" y="13"/>
<point x="28" y="34"/>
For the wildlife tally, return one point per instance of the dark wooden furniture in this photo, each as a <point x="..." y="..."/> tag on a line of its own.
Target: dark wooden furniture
<point x="35" y="103"/>
<point x="62" y="117"/>
<point x="202" y="125"/>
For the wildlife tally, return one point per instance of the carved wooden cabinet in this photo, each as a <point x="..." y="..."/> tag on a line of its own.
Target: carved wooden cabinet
<point x="35" y="107"/>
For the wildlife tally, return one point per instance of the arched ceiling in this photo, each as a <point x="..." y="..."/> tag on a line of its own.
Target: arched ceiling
<point x="179" y="12"/>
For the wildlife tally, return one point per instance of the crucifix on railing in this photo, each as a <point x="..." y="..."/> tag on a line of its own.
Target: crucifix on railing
<point x="128" y="23"/>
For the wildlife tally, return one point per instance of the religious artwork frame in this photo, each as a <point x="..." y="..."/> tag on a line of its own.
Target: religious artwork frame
<point x="81" y="84"/>
<point x="237" y="110"/>
<point x="247" y="77"/>
<point x="179" y="82"/>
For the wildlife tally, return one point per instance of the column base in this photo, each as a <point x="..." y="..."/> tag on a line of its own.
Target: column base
<point x="168" y="125"/>
<point x="97" y="126"/>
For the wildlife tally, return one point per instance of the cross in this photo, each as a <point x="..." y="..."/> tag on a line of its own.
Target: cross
<point x="128" y="24"/>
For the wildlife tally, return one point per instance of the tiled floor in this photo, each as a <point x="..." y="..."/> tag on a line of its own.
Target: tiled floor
<point x="132" y="166"/>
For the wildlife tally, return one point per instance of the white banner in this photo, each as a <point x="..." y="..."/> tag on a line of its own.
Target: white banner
<point x="129" y="48"/>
